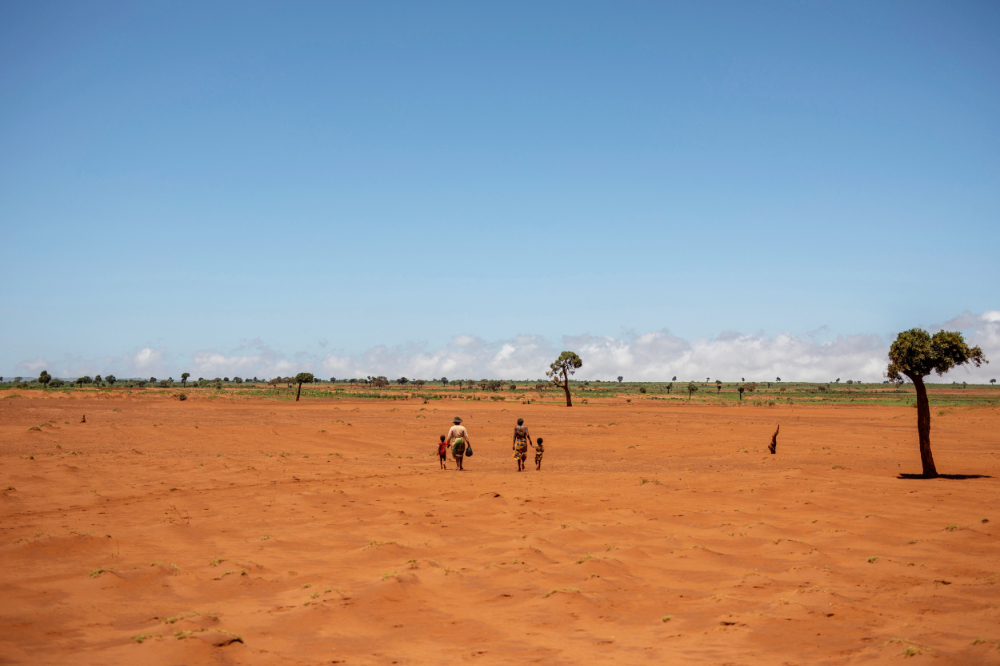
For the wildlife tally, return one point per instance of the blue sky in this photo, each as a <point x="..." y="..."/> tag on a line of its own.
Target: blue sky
<point x="323" y="180"/>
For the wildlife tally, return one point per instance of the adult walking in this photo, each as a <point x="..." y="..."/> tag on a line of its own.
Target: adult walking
<point x="521" y="439"/>
<point x="458" y="440"/>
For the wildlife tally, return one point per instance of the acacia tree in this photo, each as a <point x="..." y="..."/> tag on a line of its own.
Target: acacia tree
<point x="915" y="354"/>
<point x="44" y="378"/>
<point x="691" y="387"/>
<point x="184" y="378"/>
<point x="302" y="378"/>
<point x="620" y="378"/>
<point x="111" y="379"/>
<point x="567" y="363"/>
<point x="993" y="381"/>
<point x="718" y="385"/>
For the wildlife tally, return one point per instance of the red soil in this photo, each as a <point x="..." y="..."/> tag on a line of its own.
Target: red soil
<point x="656" y="532"/>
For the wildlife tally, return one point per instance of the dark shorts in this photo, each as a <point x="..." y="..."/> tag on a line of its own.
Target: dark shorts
<point x="443" y="456"/>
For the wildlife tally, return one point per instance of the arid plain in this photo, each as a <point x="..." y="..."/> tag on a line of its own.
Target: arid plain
<point x="229" y="530"/>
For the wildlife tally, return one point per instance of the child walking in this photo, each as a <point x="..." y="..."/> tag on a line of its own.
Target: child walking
<point x="539" y="450"/>
<point x="443" y="452"/>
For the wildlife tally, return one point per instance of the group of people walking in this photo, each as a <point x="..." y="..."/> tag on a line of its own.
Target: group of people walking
<point x="457" y="440"/>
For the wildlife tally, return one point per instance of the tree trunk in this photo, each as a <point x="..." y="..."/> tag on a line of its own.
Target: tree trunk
<point x="299" y="393"/>
<point x="924" y="427"/>
<point x="569" y="400"/>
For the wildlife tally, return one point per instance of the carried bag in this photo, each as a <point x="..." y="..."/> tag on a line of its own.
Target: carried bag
<point x="468" y="451"/>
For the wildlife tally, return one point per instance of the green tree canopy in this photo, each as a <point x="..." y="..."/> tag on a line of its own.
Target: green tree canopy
<point x="915" y="354"/>
<point x="300" y="379"/>
<point x="564" y="366"/>
<point x="44" y="378"/>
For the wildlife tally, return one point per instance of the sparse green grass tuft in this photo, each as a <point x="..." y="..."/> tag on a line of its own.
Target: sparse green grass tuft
<point x="153" y="564"/>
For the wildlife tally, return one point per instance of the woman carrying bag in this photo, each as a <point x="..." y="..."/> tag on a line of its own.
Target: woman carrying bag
<point x="458" y="440"/>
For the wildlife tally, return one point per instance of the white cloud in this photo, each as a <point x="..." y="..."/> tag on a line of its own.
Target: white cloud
<point x="145" y="362"/>
<point x="650" y="356"/>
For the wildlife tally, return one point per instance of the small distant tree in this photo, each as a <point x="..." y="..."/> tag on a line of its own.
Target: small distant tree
<point x="44" y="378"/>
<point x="708" y="379"/>
<point x="670" y="386"/>
<point x="777" y="379"/>
<point x="300" y="379"/>
<point x="17" y="380"/>
<point x="740" y="389"/>
<point x="642" y="389"/>
<point x="750" y="387"/>
<point x="718" y="386"/>
<point x="184" y="378"/>
<point x="111" y="379"/>
<point x="674" y="379"/>
<point x="620" y="378"/>
<point x="838" y="380"/>
<point x="380" y="381"/>
<point x="419" y="383"/>
<point x="561" y="369"/>
<point x="97" y="379"/>
<point x="444" y="381"/>
<point x="152" y="380"/>
<point x="993" y="381"/>
<point x="914" y="355"/>
<point x="402" y="381"/>
<point x="692" y="387"/>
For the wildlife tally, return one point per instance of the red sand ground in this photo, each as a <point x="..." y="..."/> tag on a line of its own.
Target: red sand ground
<point x="655" y="533"/>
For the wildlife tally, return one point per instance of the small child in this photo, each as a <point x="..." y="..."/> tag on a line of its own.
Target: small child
<point x="443" y="452"/>
<point x="539" y="450"/>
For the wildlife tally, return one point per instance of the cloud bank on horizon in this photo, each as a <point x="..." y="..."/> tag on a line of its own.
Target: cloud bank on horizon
<point x="653" y="356"/>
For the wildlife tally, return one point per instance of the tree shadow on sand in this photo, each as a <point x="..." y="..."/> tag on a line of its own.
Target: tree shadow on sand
<point x="955" y="477"/>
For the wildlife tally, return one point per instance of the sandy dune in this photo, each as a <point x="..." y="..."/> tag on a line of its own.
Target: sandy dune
<point x="238" y="531"/>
